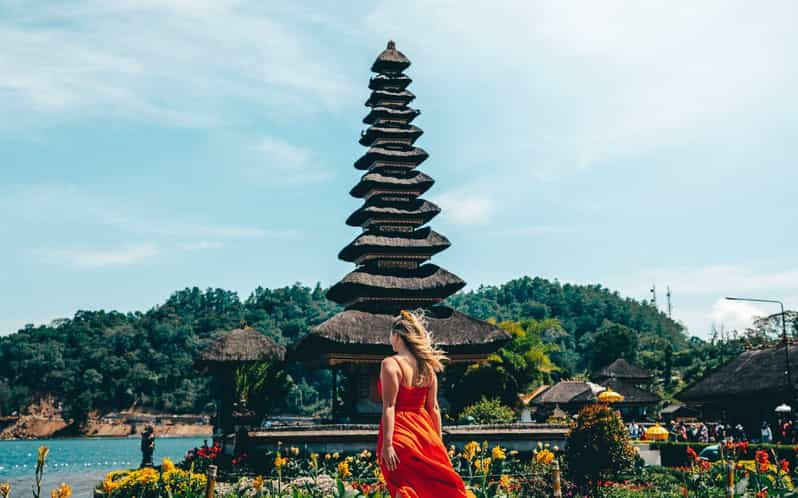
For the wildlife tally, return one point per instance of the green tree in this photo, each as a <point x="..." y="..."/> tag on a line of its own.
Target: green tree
<point x="598" y="447"/>
<point x="610" y="342"/>
<point x="512" y="369"/>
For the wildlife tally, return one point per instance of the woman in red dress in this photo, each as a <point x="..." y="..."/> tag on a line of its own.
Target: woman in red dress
<point x="412" y="456"/>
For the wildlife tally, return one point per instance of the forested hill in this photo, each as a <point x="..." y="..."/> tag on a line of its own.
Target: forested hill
<point x="106" y="360"/>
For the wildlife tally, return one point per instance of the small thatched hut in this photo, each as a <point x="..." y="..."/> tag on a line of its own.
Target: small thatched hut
<point x="220" y="360"/>
<point x="746" y="389"/>
<point x="634" y="384"/>
<point x="567" y="395"/>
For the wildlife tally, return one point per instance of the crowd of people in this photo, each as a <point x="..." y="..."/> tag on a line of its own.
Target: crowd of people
<point x="785" y="432"/>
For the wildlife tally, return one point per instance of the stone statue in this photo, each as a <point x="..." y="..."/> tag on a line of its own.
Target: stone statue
<point x="147" y="447"/>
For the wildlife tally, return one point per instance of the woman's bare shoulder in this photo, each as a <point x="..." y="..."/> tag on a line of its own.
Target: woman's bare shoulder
<point x="390" y="364"/>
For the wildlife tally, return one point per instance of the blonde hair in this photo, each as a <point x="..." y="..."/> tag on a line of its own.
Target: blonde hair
<point x="411" y="328"/>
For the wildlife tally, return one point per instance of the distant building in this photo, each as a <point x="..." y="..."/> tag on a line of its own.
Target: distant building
<point x="679" y="413"/>
<point x="746" y="389"/>
<point x="567" y="395"/>
<point x="634" y="384"/>
<point x="527" y="409"/>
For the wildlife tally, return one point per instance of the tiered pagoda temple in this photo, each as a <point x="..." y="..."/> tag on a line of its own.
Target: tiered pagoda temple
<point x="391" y="254"/>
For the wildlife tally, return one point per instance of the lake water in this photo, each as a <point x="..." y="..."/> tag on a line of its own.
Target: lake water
<point x="80" y="462"/>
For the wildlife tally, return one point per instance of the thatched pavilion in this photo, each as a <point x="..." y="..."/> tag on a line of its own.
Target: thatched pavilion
<point x="634" y="384"/>
<point x="747" y="388"/>
<point x="220" y="360"/>
<point x="391" y="255"/>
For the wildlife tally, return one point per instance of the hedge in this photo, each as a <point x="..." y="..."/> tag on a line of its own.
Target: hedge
<point x="674" y="454"/>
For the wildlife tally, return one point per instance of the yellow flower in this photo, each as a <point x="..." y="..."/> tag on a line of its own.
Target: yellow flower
<point x="378" y="475"/>
<point x="314" y="460"/>
<point x="513" y="453"/>
<point x="43" y="452"/>
<point x="167" y="465"/>
<point x="482" y="464"/>
<point x="544" y="456"/>
<point x="498" y="453"/>
<point x="349" y="459"/>
<point x="65" y="491"/>
<point x="470" y="450"/>
<point x="452" y="451"/>
<point x="336" y="455"/>
<point x="279" y="460"/>
<point x="327" y="456"/>
<point x="343" y="469"/>
<point x="5" y="489"/>
<point x="470" y="494"/>
<point x="109" y="486"/>
<point x="505" y="482"/>
<point x="257" y="483"/>
<point x="294" y="451"/>
<point x="365" y="454"/>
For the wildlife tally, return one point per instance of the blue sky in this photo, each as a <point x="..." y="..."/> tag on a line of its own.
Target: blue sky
<point x="151" y="145"/>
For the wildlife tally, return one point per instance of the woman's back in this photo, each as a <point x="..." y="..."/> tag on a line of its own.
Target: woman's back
<point x="410" y="397"/>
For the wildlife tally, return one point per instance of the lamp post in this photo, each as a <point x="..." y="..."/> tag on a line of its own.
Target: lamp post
<point x="784" y="335"/>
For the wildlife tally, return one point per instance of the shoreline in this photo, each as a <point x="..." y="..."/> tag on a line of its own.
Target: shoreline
<point x="32" y="427"/>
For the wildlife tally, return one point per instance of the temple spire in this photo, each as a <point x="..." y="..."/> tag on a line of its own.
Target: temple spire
<point x="391" y="253"/>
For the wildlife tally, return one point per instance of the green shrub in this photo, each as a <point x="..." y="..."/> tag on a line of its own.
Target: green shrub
<point x="598" y="447"/>
<point x="488" y="411"/>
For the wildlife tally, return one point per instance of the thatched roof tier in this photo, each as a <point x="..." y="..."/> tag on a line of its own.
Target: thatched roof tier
<point x="395" y="82"/>
<point x="389" y="98"/>
<point x="569" y="392"/>
<point x="390" y="61"/>
<point x="758" y="373"/>
<point x="396" y="155"/>
<point x="392" y="132"/>
<point x="632" y="394"/>
<point x="425" y="242"/>
<point x="244" y="345"/>
<point x="384" y="114"/>
<point x="622" y="369"/>
<point x="427" y="283"/>
<point x="412" y="181"/>
<point x="414" y="213"/>
<point x="354" y="336"/>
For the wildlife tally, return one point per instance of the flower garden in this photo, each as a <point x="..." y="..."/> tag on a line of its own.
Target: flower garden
<point x="598" y="462"/>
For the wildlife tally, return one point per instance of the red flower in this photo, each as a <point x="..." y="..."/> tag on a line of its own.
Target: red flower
<point x="762" y="460"/>
<point x="692" y="454"/>
<point x="785" y="466"/>
<point x="705" y="465"/>
<point x="762" y="494"/>
<point x="743" y="447"/>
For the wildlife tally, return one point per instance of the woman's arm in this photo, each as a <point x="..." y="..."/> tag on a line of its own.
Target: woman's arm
<point x="432" y="406"/>
<point x="389" y="377"/>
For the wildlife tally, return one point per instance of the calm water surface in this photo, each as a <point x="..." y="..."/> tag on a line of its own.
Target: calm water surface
<point x="80" y="462"/>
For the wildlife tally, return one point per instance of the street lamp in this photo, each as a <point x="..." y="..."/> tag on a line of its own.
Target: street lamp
<point x="783" y="330"/>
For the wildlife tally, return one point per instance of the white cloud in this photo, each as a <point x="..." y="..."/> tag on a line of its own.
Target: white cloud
<point x="465" y="207"/>
<point x="172" y="62"/>
<point x="735" y="315"/>
<point x="282" y="154"/>
<point x="286" y="162"/>
<point x="721" y="280"/>
<point x="699" y="292"/>
<point x="594" y="82"/>
<point x="94" y="258"/>
<point x="202" y="245"/>
<point x="39" y="205"/>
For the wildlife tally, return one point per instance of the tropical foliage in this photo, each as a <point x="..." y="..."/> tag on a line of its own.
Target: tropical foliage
<point x="107" y="360"/>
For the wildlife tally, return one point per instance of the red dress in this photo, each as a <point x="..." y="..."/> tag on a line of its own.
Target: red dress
<point x="424" y="469"/>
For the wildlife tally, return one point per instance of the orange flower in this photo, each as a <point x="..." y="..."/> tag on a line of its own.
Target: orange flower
<point x="762" y="460"/>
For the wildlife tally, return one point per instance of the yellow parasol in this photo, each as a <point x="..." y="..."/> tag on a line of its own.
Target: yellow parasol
<point x="656" y="433"/>
<point x="610" y="396"/>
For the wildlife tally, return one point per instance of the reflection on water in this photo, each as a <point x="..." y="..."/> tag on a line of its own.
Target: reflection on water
<point x="80" y="462"/>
